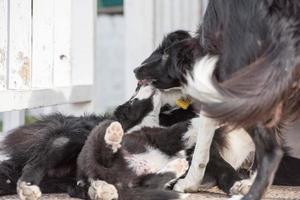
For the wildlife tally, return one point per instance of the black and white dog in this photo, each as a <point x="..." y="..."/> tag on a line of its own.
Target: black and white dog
<point x="243" y="66"/>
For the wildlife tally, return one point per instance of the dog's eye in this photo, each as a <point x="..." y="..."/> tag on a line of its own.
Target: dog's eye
<point x="132" y="101"/>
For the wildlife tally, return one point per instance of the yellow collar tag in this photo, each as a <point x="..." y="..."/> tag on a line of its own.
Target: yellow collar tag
<point x="183" y="103"/>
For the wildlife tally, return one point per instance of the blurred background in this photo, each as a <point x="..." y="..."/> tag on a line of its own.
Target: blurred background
<point x="78" y="56"/>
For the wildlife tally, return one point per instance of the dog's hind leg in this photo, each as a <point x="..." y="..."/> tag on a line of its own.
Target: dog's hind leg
<point x="268" y="155"/>
<point x="59" y="153"/>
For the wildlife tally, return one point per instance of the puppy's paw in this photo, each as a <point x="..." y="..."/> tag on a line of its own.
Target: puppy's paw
<point x="179" y="166"/>
<point x="113" y="136"/>
<point x="101" y="190"/>
<point x="241" y="187"/>
<point x="26" y="191"/>
<point x="236" y="197"/>
<point x="186" y="185"/>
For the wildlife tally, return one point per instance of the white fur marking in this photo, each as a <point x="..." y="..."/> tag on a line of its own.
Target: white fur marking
<point x="199" y="82"/>
<point x="150" y="161"/>
<point x="240" y="145"/>
<point x="193" y="179"/>
<point x="190" y="137"/>
<point x="144" y="92"/>
<point x="4" y="157"/>
<point x="152" y="119"/>
<point x="236" y="197"/>
<point x="60" y="142"/>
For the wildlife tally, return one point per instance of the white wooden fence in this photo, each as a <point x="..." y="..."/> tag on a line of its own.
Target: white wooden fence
<point x="147" y="21"/>
<point x="46" y="53"/>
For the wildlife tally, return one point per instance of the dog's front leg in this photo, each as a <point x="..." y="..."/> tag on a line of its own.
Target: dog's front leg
<point x="206" y="128"/>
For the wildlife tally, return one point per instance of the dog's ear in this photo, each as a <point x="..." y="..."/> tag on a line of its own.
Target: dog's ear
<point x="174" y="37"/>
<point x="183" y="55"/>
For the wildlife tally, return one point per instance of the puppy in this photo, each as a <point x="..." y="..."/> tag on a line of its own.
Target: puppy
<point x="42" y="156"/>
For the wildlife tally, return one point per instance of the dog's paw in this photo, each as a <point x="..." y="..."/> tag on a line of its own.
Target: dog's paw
<point x="241" y="187"/>
<point x="186" y="185"/>
<point x="113" y="136"/>
<point x="101" y="190"/>
<point x="179" y="166"/>
<point x="26" y="191"/>
<point x="236" y="197"/>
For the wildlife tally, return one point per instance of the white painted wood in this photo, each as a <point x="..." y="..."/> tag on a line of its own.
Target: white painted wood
<point x="19" y="44"/>
<point x="148" y="21"/>
<point x="3" y="42"/>
<point x="18" y="100"/>
<point x="12" y="120"/>
<point x="42" y="38"/>
<point x="83" y="41"/>
<point x="139" y="39"/>
<point x="62" y="43"/>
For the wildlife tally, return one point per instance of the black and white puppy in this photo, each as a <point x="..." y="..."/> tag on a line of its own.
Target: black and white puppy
<point x="42" y="157"/>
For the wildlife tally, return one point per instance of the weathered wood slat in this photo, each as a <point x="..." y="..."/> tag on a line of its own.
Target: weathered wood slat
<point x="20" y="44"/>
<point x="18" y="100"/>
<point x="83" y="41"/>
<point x="3" y="42"/>
<point x="62" y="43"/>
<point x="42" y="38"/>
<point x="139" y="28"/>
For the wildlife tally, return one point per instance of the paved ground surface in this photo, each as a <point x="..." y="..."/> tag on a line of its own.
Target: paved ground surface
<point x="275" y="193"/>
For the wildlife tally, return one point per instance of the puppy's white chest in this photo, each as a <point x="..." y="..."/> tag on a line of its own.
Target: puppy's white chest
<point x="150" y="161"/>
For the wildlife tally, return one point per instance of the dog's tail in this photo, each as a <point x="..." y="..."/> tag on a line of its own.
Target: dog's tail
<point x="254" y="93"/>
<point x="149" y="194"/>
<point x="288" y="173"/>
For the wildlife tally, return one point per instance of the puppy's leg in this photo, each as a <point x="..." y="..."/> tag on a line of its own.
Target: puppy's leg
<point x="101" y="190"/>
<point x="206" y="129"/>
<point x="222" y="171"/>
<point x="45" y="159"/>
<point x="242" y="187"/>
<point x="106" y="141"/>
<point x="268" y="156"/>
<point x="27" y="186"/>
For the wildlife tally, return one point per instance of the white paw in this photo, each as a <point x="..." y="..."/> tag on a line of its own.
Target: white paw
<point x="241" y="187"/>
<point x="113" y="136"/>
<point x="26" y="191"/>
<point x="186" y="185"/>
<point x="101" y="190"/>
<point x="183" y="196"/>
<point x="236" y="197"/>
<point x="179" y="166"/>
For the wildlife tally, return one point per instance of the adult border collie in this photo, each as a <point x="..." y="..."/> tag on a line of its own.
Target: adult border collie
<point x="244" y="67"/>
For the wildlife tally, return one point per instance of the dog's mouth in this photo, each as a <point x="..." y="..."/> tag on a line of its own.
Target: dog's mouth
<point x="145" y="82"/>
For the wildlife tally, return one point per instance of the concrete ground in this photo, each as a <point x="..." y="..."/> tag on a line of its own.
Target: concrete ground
<point x="275" y="193"/>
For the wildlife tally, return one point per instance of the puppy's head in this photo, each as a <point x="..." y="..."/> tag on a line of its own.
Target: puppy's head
<point x="164" y="67"/>
<point x="145" y="100"/>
